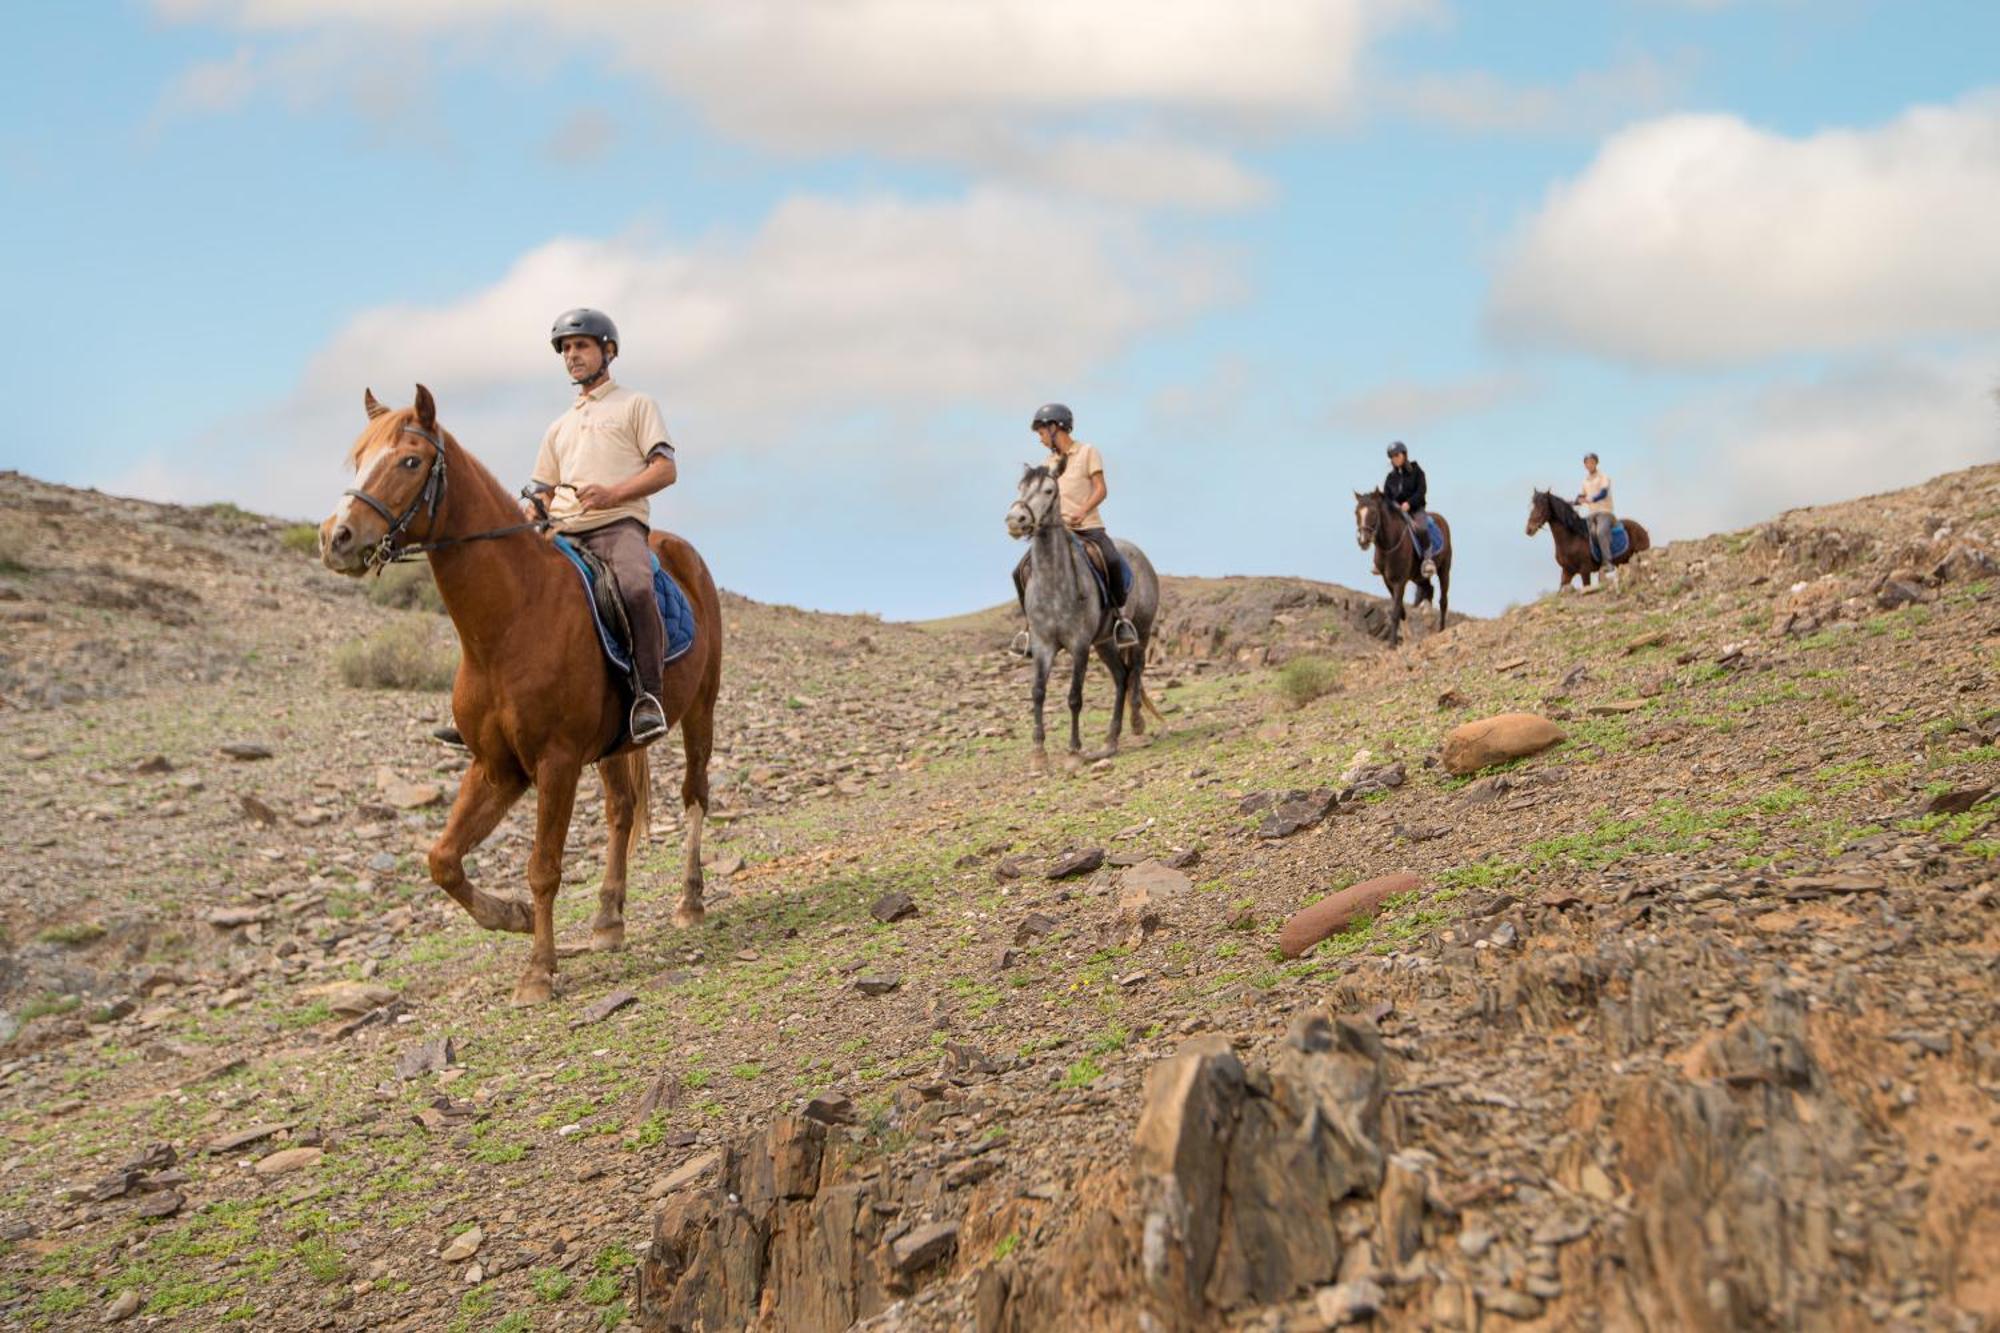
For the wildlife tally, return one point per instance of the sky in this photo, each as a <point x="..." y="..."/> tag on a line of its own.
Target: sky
<point x="1748" y="251"/>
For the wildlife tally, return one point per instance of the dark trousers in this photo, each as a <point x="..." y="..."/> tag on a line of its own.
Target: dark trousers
<point x="622" y="545"/>
<point x="1118" y="575"/>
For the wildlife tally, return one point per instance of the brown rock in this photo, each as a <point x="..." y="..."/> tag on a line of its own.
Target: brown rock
<point x="412" y="795"/>
<point x="1335" y="912"/>
<point x="351" y="997"/>
<point x="288" y="1159"/>
<point x="893" y="907"/>
<point x="1071" y="864"/>
<point x="925" y="1246"/>
<point x="1495" y="740"/>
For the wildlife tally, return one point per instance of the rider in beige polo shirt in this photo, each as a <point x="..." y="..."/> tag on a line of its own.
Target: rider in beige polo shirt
<point x="598" y="463"/>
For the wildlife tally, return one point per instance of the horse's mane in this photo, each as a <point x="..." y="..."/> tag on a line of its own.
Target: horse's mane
<point x="1565" y="513"/>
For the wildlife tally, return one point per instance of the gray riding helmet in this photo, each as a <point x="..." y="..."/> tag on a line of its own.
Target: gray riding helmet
<point x="1054" y="414"/>
<point x="585" y="323"/>
<point x="1397" y="448"/>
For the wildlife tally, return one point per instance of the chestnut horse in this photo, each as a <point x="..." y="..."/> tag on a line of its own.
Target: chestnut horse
<point x="1379" y="524"/>
<point x="1572" y="536"/>
<point x="533" y="698"/>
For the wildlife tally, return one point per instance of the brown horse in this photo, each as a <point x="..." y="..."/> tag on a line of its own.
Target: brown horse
<point x="1387" y="529"/>
<point x="533" y="698"/>
<point x="1572" y="535"/>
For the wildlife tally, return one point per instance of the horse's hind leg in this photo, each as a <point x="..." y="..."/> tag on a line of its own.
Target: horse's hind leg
<point x="1444" y="591"/>
<point x="555" y="801"/>
<point x="626" y="779"/>
<point x="697" y="741"/>
<point x="1121" y="679"/>
<point x="484" y="798"/>
<point x="1135" y="683"/>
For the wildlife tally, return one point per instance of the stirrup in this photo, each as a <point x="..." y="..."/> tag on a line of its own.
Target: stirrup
<point x="1429" y="568"/>
<point x="1020" y="646"/>
<point x="1124" y="634"/>
<point x="647" y="721"/>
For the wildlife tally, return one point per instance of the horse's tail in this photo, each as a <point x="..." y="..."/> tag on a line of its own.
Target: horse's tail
<point x="1146" y="702"/>
<point x="642" y="802"/>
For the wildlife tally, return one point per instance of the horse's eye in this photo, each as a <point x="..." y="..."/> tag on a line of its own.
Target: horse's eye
<point x="410" y="462"/>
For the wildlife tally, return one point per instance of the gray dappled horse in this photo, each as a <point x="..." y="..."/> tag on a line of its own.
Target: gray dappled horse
<point x="1065" y="611"/>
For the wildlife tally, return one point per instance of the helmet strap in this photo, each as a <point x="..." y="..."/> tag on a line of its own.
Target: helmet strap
<point x="603" y="369"/>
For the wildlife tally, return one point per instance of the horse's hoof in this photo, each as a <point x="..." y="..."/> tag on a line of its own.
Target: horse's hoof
<point x="534" y="988"/>
<point x="607" y="939"/>
<point x="1073" y="762"/>
<point x="689" y="912"/>
<point x="1038" y="763"/>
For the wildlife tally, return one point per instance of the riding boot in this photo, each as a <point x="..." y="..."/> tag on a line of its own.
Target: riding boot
<point x="647" y="721"/>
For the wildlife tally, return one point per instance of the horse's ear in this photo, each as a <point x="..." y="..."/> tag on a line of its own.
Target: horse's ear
<point x="427" y="411"/>
<point x="375" y="409"/>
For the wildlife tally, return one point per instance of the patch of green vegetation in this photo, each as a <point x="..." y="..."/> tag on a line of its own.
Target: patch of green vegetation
<point x="499" y="1154"/>
<point x="746" y="1070"/>
<point x="1780" y="800"/>
<point x="1006" y="1245"/>
<point x="310" y="1015"/>
<point x="43" y="1005"/>
<point x="61" y="1300"/>
<point x="1081" y="1073"/>
<point x="1113" y="1038"/>
<point x="1490" y="873"/>
<point x="73" y="933"/>
<point x="321" y="1258"/>
<point x="551" y="1285"/>
<point x="602" y="1290"/>
<point x="407" y="587"/>
<point x="1304" y="679"/>
<point x="300" y="539"/>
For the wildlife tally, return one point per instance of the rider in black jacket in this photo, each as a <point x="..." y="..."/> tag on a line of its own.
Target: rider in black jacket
<point x="1404" y="488"/>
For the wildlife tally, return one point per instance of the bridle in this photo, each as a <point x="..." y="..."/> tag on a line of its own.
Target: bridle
<point x="429" y="499"/>
<point x="1036" y="522"/>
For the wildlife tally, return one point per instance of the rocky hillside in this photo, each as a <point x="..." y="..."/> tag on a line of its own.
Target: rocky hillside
<point x="1676" y="1010"/>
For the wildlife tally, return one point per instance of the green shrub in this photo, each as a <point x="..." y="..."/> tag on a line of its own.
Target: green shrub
<point x="301" y="539"/>
<point x="1304" y="679"/>
<point x="408" y="655"/>
<point x="407" y="587"/>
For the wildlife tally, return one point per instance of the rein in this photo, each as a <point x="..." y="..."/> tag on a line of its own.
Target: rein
<point x="388" y="551"/>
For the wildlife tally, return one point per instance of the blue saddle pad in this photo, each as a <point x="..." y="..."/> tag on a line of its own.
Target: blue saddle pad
<point x="1103" y="587"/>
<point x="1621" y="542"/>
<point x="1437" y="535"/>
<point x="675" y="610"/>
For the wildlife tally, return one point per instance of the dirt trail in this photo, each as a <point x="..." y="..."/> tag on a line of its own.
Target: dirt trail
<point x="1688" y="1023"/>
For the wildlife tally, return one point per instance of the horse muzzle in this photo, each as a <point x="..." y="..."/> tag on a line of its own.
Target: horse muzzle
<point x="341" y="549"/>
<point x="1363" y="538"/>
<point x="1019" y="521"/>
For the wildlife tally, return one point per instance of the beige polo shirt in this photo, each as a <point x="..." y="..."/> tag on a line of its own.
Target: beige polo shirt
<point x="1074" y="486"/>
<point x="1596" y="483"/>
<point x="604" y="439"/>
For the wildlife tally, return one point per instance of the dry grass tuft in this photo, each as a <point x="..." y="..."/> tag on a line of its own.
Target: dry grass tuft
<point x="1304" y="679"/>
<point x="413" y="654"/>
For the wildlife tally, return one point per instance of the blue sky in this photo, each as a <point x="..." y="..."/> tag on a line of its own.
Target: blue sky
<point x="1744" y="250"/>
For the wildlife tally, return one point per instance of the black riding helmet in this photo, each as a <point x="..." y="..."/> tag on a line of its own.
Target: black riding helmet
<point x="1397" y="448"/>
<point x="584" y="322"/>
<point x="1054" y="414"/>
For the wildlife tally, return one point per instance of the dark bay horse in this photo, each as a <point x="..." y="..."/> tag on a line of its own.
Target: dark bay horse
<point x="1381" y="525"/>
<point x="532" y="697"/>
<point x="1572" y="535"/>
<point x="1064" y="612"/>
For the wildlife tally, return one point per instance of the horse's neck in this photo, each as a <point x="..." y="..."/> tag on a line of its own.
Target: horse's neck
<point x="483" y="583"/>
<point x="1053" y="548"/>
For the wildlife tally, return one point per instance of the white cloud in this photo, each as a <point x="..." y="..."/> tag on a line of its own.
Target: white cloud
<point x="1409" y="406"/>
<point x="886" y="311"/>
<point x="1699" y="239"/>
<point x="1480" y="102"/>
<point x="1872" y="425"/>
<point x="1132" y="100"/>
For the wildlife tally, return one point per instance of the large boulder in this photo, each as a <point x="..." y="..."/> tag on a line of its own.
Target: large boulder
<point x="1337" y="911"/>
<point x="1495" y="740"/>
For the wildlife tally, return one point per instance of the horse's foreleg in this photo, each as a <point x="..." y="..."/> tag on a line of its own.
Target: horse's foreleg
<point x="1045" y="660"/>
<point x="697" y="741"/>
<point x="625" y="781"/>
<point x="484" y="798"/>
<point x="1395" y="614"/>
<point x="1079" y="666"/>
<point x="555" y="800"/>
<point x="1444" y="591"/>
